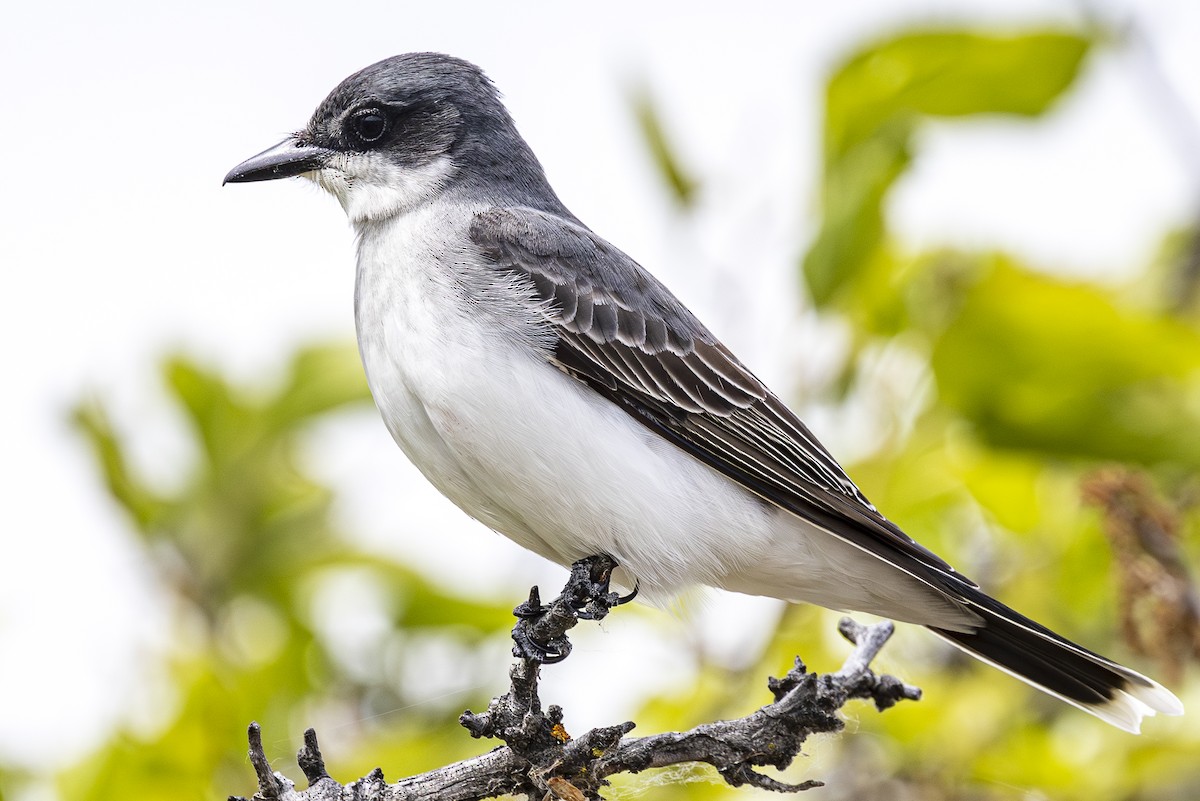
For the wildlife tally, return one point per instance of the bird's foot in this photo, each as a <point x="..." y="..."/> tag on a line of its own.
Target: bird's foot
<point x="587" y="591"/>
<point x="540" y="632"/>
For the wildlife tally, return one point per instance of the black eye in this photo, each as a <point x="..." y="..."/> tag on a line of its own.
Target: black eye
<point x="369" y="125"/>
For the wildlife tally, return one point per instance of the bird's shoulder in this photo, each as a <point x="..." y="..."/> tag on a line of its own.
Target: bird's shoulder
<point x="616" y="322"/>
<point x="601" y="291"/>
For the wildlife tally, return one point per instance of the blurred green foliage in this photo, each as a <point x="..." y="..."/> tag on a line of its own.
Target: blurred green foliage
<point x="1037" y="380"/>
<point x="243" y="551"/>
<point x="874" y="104"/>
<point x="671" y="171"/>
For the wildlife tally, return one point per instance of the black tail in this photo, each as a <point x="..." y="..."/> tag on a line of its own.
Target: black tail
<point x="1035" y="654"/>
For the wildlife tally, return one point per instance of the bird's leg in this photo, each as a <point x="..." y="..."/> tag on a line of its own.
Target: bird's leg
<point x="540" y="632"/>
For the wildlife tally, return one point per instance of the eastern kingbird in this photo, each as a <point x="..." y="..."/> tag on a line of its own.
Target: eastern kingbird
<point x="553" y="389"/>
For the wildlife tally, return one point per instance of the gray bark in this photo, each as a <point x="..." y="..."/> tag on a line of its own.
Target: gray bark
<point x="540" y="762"/>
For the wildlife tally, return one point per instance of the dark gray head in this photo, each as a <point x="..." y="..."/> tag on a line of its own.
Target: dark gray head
<point x="401" y="131"/>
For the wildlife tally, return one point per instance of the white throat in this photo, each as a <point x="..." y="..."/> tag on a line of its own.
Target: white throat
<point x="371" y="187"/>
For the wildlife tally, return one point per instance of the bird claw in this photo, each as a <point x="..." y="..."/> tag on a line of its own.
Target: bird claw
<point x="540" y="632"/>
<point x="526" y="646"/>
<point x="528" y="642"/>
<point x="598" y="607"/>
<point x="587" y="591"/>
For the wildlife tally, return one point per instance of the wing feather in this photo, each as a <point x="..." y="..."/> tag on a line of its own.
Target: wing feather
<point x="626" y="336"/>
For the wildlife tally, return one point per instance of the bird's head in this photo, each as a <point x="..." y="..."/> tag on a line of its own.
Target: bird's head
<point x="398" y="133"/>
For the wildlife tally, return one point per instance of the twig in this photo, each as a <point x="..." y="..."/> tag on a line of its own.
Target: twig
<point x="541" y="761"/>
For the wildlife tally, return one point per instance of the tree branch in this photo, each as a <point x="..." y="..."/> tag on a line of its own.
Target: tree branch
<point x="541" y="761"/>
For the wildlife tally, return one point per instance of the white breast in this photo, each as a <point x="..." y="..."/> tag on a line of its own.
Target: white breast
<point x="457" y="361"/>
<point x="466" y="390"/>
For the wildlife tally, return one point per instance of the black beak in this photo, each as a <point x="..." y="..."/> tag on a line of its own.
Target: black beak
<point x="287" y="159"/>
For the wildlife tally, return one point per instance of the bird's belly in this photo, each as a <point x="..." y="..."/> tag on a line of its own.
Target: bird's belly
<point x="466" y="388"/>
<point x="542" y="459"/>
<point x="560" y="470"/>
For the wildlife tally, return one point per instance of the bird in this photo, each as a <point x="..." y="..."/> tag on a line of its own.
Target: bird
<point x="555" y="390"/>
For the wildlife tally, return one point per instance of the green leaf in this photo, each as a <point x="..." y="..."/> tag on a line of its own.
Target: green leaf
<point x="320" y="378"/>
<point x="1038" y="363"/>
<point x="666" y="161"/>
<point x="142" y="504"/>
<point x="874" y="103"/>
<point x="947" y="74"/>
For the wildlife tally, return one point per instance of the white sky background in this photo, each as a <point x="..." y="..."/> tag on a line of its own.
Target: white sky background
<point x="118" y="243"/>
